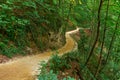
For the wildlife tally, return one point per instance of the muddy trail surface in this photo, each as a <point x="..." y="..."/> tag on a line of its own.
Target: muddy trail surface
<point x="26" y="68"/>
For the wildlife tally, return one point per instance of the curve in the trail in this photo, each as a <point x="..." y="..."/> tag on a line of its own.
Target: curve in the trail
<point x="25" y="68"/>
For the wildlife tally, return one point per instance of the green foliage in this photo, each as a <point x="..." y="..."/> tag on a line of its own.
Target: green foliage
<point x="12" y="29"/>
<point x="22" y="21"/>
<point x="88" y="9"/>
<point x="51" y="76"/>
<point x="84" y="13"/>
<point x="56" y="63"/>
<point x="68" y="78"/>
<point x="8" y="51"/>
<point x="47" y="76"/>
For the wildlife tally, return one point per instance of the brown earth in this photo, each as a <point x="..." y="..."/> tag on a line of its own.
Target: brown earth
<point x="4" y="59"/>
<point x="26" y="68"/>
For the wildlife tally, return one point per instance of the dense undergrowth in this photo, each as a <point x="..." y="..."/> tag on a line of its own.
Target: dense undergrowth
<point x="27" y="22"/>
<point x="71" y="66"/>
<point x="98" y="56"/>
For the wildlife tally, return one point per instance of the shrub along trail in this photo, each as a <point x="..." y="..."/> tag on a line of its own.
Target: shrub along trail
<point x="25" y="68"/>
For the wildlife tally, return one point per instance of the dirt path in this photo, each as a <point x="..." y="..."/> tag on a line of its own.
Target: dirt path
<point x="25" y="68"/>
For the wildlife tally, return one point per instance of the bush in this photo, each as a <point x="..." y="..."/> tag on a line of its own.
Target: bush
<point x="23" y="21"/>
<point x="56" y="63"/>
<point x="48" y="76"/>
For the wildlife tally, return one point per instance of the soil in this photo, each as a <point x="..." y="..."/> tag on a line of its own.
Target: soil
<point x="33" y="50"/>
<point x="4" y="59"/>
<point x="26" y="68"/>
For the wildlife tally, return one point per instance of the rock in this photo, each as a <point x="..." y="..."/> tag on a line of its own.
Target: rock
<point x="29" y="50"/>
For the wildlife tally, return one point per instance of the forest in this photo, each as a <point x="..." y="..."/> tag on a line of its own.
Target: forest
<point x="65" y="39"/>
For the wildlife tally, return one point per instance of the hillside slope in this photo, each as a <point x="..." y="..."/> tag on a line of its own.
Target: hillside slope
<point x="26" y="68"/>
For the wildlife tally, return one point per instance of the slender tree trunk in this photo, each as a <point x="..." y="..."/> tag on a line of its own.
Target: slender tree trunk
<point x="59" y="3"/>
<point x="111" y="42"/>
<point x="103" y="41"/>
<point x="97" y="34"/>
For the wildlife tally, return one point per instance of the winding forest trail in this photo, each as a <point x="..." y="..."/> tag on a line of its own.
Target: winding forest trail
<point x="26" y="68"/>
